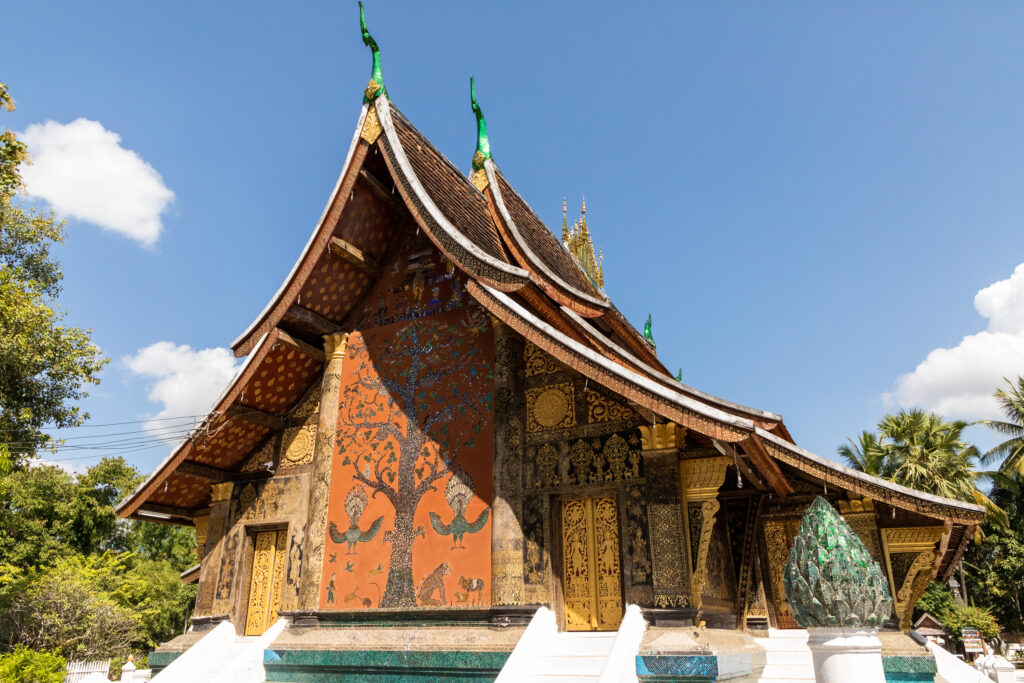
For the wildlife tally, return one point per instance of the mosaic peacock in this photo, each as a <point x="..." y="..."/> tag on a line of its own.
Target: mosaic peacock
<point x="458" y="492"/>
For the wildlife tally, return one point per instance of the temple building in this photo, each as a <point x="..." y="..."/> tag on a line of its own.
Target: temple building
<point x="443" y="423"/>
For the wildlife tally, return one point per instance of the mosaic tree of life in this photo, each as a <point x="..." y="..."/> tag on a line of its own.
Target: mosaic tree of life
<point x="418" y="400"/>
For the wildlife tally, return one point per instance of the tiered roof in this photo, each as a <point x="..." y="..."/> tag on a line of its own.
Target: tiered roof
<point x="394" y="179"/>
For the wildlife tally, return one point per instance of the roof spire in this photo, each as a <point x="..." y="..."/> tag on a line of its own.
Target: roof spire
<point x="648" y="335"/>
<point x="375" y="88"/>
<point x="565" y="224"/>
<point x="483" y="145"/>
<point x="679" y="377"/>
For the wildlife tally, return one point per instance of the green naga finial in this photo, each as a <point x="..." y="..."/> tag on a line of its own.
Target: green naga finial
<point x="483" y="145"/>
<point x="830" y="579"/>
<point x="679" y="376"/>
<point x="375" y="88"/>
<point x="648" y="335"/>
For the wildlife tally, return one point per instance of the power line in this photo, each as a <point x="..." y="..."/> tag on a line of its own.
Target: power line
<point x="115" y="424"/>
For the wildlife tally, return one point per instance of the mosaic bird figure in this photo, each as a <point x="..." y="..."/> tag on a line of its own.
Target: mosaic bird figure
<point x="355" y="503"/>
<point x="458" y="493"/>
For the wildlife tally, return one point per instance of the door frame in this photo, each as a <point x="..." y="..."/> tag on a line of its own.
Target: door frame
<point x="248" y="557"/>
<point x="555" y="502"/>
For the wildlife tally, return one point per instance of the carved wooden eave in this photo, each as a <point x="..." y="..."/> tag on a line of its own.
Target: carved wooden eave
<point x="587" y="304"/>
<point x="246" y="413"/>
<point x="318" y="242"/>
<point x="440" y="228"/>
<point x="633" y="386"/>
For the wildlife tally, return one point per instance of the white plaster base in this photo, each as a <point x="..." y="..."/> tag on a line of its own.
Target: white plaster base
<point x="845" y="655"/>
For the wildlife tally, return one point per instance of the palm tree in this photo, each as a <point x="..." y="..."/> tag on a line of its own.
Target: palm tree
<point x="1011" y="451"/>
<point x="867" y="455"/>
<point x="923" y="451"/>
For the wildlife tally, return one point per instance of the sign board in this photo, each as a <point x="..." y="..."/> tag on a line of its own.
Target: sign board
<point x="972" y="640"/>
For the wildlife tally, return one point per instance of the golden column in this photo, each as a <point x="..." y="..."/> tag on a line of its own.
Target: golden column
<point x="700" y="479"/>
<point x="323" y="460"/>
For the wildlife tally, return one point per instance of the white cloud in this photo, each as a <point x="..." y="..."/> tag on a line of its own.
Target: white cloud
<point x="959" y="382"/>
<point x="83" y="172"/>
<point x="184" y="381"/>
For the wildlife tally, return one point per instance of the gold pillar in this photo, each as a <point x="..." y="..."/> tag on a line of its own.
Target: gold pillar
<point x="216" y="524"/>
<point x="909" y="560"/>
<point x="661" y="444"/>
<point x="202" y="525"/>
<point x="323" y="460"/>
<point x="700" y="479"/>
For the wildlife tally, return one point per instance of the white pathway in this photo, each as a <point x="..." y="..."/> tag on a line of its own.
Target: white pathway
<point x="222" y="657"/>
<point x="787" y="657"/>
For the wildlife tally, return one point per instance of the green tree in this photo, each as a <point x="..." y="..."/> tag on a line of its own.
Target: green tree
<point x="44" y="364"/>
<point x="1011" y="451"/>
<point x="936" y="601"/>
<point x="25" y="665"/>
<point x="925" y="452"/>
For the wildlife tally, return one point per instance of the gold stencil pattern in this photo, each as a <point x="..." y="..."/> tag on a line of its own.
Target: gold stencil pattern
<point x="600" y="408"/>
<point x="538" y="362"/>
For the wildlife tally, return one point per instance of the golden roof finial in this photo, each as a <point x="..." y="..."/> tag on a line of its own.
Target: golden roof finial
<point x="584" y="210"/>
<point x="565" y="223"/>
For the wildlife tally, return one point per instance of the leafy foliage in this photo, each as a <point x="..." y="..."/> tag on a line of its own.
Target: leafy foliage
<point x="936" y="601"/>
<point x="830" y="578"/>
<point x="969" y="616"/>
<point x="25" y="665"/>
<point x="1010" y="451"/>
<point x="925" y="452"/>
<point x="44" y="365"/>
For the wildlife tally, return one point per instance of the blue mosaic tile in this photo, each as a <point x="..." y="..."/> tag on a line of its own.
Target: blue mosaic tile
<point x="656" y="668"/>
<point x="908" y="669"/>
<point x="158" y="661"/>
<point x="380" y="666"/>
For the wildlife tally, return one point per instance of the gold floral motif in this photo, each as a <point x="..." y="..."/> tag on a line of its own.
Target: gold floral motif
<point x="263" y="459"/>
<point x="577" y="568"/>
<point x="538" y="362"/>
<point x="615" y="453"/>
<point x="778" y="536"/>
<point x="297" y="445"/>
<point x="202" y="523"/>
<point x="708" y="509"/>
<point x="547" y="466"/>
<point x="581" y="455"/>
<point x="600" y="408"/>
<point x="550" y="407"/>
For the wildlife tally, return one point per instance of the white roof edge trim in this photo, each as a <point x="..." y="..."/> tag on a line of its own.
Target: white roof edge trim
<point x="181" y="444"/>
<point x="309" y="243"/>
<point x="626" y="354"/>
<point x="864" y="476"/>
<point x="384" y="113"/>
<point x="490" y="168"/>
<point x="629" y="375"/>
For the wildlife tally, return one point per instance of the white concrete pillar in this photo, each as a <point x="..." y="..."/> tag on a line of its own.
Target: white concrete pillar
<point x="846" y="655"/>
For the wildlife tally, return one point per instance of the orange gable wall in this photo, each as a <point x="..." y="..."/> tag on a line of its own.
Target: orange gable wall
<point x="415" y="413"/>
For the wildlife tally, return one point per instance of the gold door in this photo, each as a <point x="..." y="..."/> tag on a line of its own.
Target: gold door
<point x="591" y="574"/>
<point x="267" y="575"/>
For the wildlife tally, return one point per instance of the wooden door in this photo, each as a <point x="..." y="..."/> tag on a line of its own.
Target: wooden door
<point x="267" y="576"/>
<point x="591" y="572"/>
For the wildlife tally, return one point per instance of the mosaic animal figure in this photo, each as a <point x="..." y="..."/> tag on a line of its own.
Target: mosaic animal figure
<point x="470" y="586"/>
<point x="355" y="503"/>
<point x="434" y="582"/>
<point x="349" y="597"/>
<point x="458" y="493"/>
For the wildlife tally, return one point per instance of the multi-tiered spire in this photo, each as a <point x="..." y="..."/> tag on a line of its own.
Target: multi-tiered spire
<point x="581" y="246"/>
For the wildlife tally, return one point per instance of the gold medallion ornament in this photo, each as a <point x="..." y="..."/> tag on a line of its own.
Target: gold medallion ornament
<point x="550" y="407"/>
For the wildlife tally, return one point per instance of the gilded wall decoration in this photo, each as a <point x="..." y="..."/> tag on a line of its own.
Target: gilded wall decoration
<point x="602" y="408"/>
<point x="591" y="570"/>
<point x="537" y="362"/>
<point x="757" y="602"/>
<point x="719" y="584"/>
<point x="585" y="467"/>
<point x="547" y="467"/>
<point x="637" y="529"/>
<point x="202" y="524"/>
<point x="535" y="552"/>
<point x="665" y="435"/>
<point x="263" y="460"/>
<point x="669" y="574"/>
<point x="550" y="407"/>
<point x="701" y="479"/>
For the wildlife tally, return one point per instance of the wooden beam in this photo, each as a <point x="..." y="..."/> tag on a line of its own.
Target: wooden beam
<point x="259" y="417"/>
<point x="353" y="255"/>
<point x="168" y="510"/>
<point x="382" y="191"/>
<point x="195" y="469"/>
<point x="764" y="464"/>
<point x="299" y="345"/>
<point x="308" y="320"/>
<point x="730" y="450"/>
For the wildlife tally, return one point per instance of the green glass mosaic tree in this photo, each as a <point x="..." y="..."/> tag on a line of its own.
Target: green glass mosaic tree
<point x="831" y="580"/>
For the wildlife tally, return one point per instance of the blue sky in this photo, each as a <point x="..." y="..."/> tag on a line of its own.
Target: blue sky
<point x="806" y="196"/>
